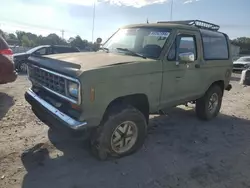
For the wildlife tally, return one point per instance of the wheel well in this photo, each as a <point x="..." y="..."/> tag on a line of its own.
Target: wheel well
<point x="139" y="101"/>
<point x="221" y="84"/>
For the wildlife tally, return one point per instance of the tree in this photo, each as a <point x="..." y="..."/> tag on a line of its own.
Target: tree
<point x="12" y="36"/>
<point x="79" y="43"/>
<point x="25" y="41"/>
<point x="29" y="39"/>
<point x="19" y="35"/>
<point x="3" y="34"/>
<point x="11" y="39"/>
<point x="54" y="39"/>
<point x="243" y="43"/>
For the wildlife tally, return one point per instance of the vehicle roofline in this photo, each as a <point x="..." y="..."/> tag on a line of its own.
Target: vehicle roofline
<point x="170" y="26"/>
<point x="161" y="25"/>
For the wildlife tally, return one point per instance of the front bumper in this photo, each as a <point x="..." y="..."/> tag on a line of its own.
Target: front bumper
<point x="238" y="69"/>
<point x="38" y="102"/>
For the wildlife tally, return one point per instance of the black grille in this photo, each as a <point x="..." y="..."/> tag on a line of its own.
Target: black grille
<point x="49" y="80"/>
<point x="238" y="65"/>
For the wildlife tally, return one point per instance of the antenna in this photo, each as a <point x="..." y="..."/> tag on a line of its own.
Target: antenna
<point x="93" y="26"/>
<point x="62" y="33"/>
<point x="171" y="10"/>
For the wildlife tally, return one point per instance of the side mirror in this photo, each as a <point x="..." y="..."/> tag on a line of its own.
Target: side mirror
<point x="186" y="57"/>
<point x="99" y="40"/>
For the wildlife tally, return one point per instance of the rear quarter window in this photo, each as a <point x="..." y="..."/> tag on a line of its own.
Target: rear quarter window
<point x="215" y="45"/>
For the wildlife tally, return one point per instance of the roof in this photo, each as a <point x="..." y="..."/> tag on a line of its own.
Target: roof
<point x="182" y="24"/>
<point x="63" y="46"/>
<point x="43" y="46"/>
<point x="163" y="25"/>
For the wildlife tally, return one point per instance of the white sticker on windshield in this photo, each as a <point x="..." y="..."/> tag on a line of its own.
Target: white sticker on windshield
<point x="159" y="34"/>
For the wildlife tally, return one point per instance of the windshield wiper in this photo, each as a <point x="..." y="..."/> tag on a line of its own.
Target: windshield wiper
<point x="104" y="49"/>
<point x="132" y="52"/>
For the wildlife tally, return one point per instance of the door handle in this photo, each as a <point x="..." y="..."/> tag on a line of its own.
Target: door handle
<point x="197" y="66"/>
<point x="178" y="78"/>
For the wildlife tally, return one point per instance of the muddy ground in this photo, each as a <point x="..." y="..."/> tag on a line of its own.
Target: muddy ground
<point x="180" y="150"/>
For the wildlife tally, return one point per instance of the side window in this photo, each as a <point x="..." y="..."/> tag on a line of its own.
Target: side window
<point x="187" y="44"/>
<point x="215" y="45"/>
<point x="74" y="49"/>
<point x="49" y="50"/>
<point x="41" y="51"/>
<point x="65" y="50"/>
<point x="58" y="50"/>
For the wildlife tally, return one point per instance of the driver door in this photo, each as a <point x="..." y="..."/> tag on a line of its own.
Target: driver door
<point x="181" y="80"/>
<point x="190" y="81"/>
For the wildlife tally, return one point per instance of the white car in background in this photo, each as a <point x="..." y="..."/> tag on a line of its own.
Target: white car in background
<point x="242" y="63"/>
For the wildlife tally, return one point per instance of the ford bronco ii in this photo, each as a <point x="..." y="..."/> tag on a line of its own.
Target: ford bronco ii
<point x="141" y="69"/>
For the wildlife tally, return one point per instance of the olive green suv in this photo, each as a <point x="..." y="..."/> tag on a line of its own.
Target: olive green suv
<point x="141" y="69"/>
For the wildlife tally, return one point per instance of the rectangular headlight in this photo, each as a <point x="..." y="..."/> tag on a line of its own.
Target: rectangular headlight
<point x="73" y="89"/>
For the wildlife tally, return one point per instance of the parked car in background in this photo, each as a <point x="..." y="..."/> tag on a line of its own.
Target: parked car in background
<point x="20" y="59"/>
<point x="242" y="63"/>
<point x="7" y="71"/>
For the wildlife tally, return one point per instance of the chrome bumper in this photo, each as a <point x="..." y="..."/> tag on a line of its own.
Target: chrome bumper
<point x="70" y="122"/>
<point x="239" y="69"/>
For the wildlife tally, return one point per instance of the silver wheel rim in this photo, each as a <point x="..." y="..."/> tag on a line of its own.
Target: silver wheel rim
<point x="23" y="67"/>
<point x="213" y="103"/>
<point x="124" y="137"/>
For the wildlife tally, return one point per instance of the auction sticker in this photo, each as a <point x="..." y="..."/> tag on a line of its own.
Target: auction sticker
<point x="159" y="34"/>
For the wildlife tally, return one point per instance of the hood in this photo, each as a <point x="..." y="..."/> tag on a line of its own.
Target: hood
<point x="73" y="64"/>
<point x="92" y="60"/>
<point x="241" y="62"/>
<point x="20" y="54"/>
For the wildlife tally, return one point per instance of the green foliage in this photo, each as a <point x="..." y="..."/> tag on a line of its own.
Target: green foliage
<point x="78" y="42"/>
<point x="243" y="43"/>
<point x="12" y="36"/>
<point x="3" y="34"/>
<point x="25" y="41"/>
<point x="28" y="39"/>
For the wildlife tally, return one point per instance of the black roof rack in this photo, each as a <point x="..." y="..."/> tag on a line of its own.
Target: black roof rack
<point x="197" y="23"/>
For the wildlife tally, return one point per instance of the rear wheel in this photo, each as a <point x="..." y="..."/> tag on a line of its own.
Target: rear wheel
<point x="121" y="134"/>
<point x="209" y="105"/>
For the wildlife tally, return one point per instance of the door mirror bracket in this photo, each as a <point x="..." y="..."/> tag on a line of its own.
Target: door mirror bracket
<point x="187" y="57"/>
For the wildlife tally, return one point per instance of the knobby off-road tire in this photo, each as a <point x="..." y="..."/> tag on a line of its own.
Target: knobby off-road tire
<point x="124" y="126"/>
<point x="203" y="105"/>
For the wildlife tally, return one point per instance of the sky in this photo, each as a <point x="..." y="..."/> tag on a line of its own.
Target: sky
<point x="75" y="17"/>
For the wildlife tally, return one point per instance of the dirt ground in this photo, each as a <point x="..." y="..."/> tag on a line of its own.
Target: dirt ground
<point x="180" y="150"/>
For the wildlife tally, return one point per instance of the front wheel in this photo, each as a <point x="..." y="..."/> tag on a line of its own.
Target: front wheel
<point x="121" y="134"/>
<point x="208" y="106"/>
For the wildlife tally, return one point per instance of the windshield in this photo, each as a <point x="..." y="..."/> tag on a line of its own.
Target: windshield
<point x="145" y="41"/>
<point x="33" y="49"/>
<point x="244" y="59"/>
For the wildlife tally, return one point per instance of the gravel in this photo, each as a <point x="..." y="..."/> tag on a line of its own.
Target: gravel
<point x="180" y="150"/>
